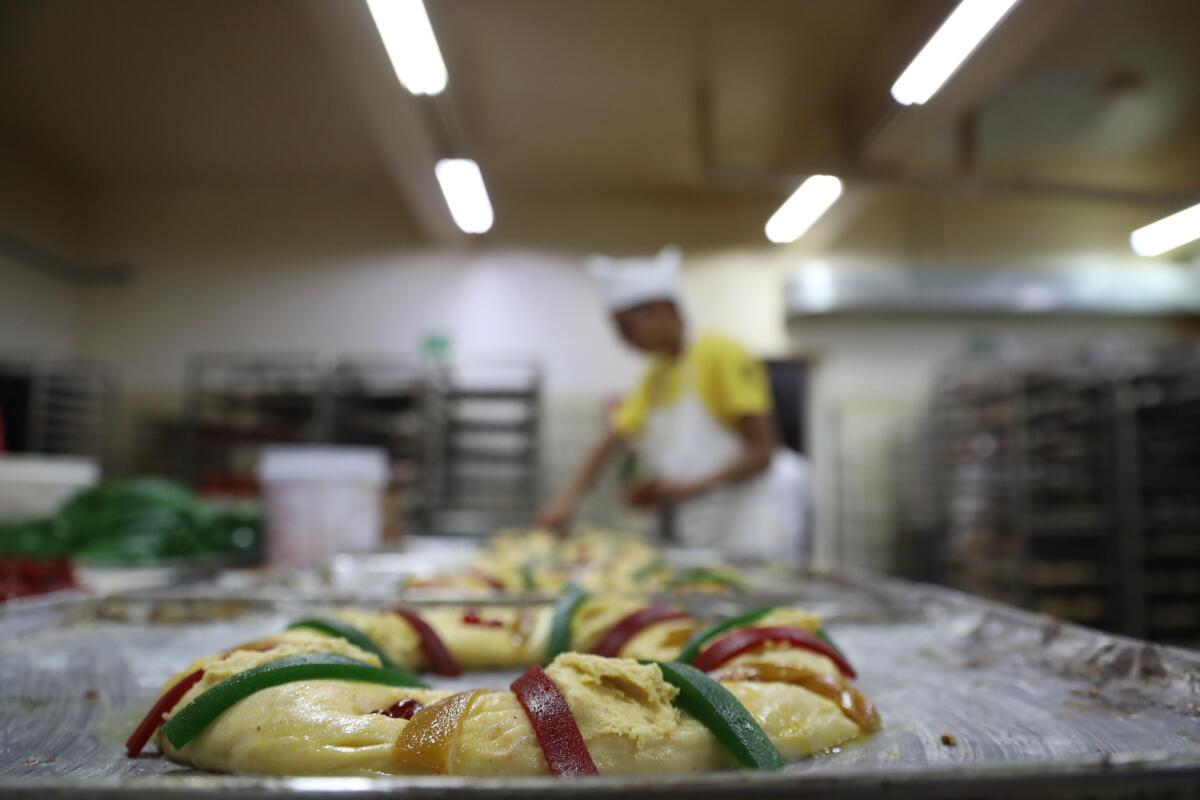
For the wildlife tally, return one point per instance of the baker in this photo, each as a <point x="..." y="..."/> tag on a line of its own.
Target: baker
<point x="700" y="423"/>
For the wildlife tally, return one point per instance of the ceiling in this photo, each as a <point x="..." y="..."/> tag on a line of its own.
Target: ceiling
<point x="1114" y="97"/>
<point x="603" y="91"/>
<point x="597" y="121"/>
<point x="198" y="90"/>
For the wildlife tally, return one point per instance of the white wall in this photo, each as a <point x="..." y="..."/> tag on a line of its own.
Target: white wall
<point x="329" y="269"/>
<point x="302" y="272"/>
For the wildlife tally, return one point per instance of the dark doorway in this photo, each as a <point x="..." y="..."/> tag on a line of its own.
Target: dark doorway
<point x="789" y="392"/>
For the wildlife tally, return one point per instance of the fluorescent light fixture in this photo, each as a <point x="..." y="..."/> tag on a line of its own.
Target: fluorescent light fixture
<point x="806" y="205"/>
<point x="1168" y="233"/>
<point x="462" y="184"/>
<point x="967" y="26"/>
<point x="411" y="46"/>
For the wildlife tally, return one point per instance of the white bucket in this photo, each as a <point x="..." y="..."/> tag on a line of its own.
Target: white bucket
<point x="37" y="485"/>
<point x="321" y="500"/>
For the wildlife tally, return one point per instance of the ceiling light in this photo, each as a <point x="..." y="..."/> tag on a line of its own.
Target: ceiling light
<point x="967" y="26"/>
<point x="806" y="205"/>
<point x="1168" y="233"/>
<point x="413" y="49"/>
<point x="462" y="184"/>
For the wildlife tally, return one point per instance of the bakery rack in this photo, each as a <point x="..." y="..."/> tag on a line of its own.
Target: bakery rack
<point x="462" y="437"/>
<point x="1068" y="485"/>
<point x="484" y="424"/>
<point x="236" y="403"/>
<point x="58" y="405"/>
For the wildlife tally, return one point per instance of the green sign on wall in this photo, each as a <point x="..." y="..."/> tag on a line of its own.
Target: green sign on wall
<point x="437" y="346"/>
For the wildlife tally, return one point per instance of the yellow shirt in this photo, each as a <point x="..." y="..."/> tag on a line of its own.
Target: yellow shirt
<point x="731" y="383"/>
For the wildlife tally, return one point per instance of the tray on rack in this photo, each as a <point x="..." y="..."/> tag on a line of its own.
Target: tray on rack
<point x="977" y="699"/>
<point x="383" y="578"/>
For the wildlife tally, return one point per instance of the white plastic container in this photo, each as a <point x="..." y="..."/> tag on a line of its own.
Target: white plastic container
<point x="37" y="485"/>
<point x="321" y="500"/>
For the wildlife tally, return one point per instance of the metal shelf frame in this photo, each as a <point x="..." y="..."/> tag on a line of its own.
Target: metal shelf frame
<point x="466" y="435"/>
<point x="70" y="405"/>
<point x="1069" y="483"/>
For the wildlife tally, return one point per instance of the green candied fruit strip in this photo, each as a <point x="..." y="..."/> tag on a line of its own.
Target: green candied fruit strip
<point x="560" y="623"/>
<point x="203" y="711"/>
<point x="344" y="630"/>
<point x="528" y="580"/>
<point x="726" y="718"/>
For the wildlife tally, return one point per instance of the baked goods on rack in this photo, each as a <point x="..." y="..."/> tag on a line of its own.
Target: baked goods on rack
<point x="543" y="562"/>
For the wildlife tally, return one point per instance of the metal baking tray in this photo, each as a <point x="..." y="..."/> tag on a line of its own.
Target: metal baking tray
<point x="823" y="593"/>
<point x="380" y="576"/>
<point x="978" y="700"/>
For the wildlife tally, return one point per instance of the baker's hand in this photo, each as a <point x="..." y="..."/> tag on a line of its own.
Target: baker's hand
<point x="660" y="493"/>
<point x="554" y="515"/>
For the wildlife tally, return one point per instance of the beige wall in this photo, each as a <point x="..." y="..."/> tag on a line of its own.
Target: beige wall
<point x="326" y="270"/>
<point x="871" y="374"/>
<point x="966" y="229"/>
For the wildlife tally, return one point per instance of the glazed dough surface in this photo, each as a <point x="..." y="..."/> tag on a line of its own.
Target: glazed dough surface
<point x="623" y="709"/>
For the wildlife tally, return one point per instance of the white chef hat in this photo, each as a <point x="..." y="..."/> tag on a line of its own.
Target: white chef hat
<point x="631" y="282"/>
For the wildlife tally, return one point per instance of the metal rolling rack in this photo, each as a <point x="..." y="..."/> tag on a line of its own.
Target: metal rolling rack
<point x="383" y="401"/>
<point x="484" y="459"/>
<point x="58" y="405"/>
<point x="1069" y="483"/>
<point x="1071" y="486"/>
<point x="975" y="435"/>
<point x="465" y="436"/>
<point x="1162" y="431"/>
<point x="919" y="554"/>
<point x="380" y="401"/>
<point x="237" y="403"/>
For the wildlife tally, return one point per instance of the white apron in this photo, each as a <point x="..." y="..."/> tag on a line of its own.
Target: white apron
<point x="684" y="442"/>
